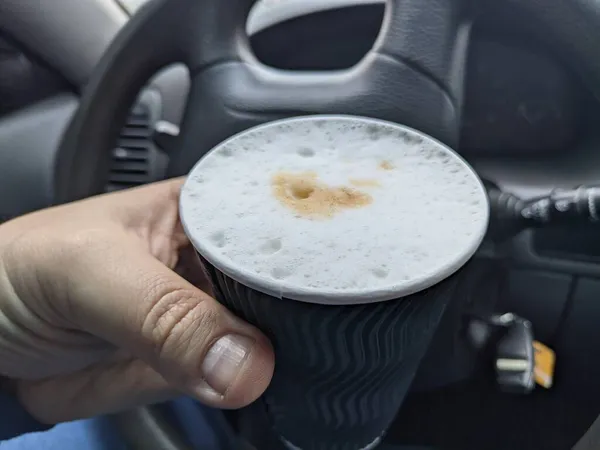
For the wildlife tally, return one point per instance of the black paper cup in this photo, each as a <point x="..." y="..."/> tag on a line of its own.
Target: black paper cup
<point x="342" y="369"/>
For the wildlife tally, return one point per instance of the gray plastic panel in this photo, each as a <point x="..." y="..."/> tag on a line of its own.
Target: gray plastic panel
<point x="70" y="35"/>
<point x="29" y="141"/>
<point x="267" y="13"/>
<point x="173" y="85"/>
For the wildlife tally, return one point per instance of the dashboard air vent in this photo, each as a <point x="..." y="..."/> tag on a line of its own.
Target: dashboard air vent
<point x="132" y="157"/>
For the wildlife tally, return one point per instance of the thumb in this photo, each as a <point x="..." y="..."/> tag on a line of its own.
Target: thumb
<point x="127" y="297"/>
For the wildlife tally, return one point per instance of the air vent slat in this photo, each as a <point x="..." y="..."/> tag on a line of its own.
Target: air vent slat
<point x="134" y="144"/>
<point x="130" y="166"/>
<point x="112" y="187"/>
<point x="129" y="178"/>
<point x="130" y="132"/>
<point x="121" y="154"/>
<point x="132" y="158"/>
<point x="137" y="122"/>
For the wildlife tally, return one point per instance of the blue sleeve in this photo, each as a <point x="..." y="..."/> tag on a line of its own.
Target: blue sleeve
<point x="14" y="420"/>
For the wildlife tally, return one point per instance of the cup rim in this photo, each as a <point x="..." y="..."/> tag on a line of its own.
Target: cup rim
<point x="278" y="289"/>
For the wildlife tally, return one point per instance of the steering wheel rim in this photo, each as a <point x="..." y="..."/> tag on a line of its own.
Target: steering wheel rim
<point x="418" y="59"/>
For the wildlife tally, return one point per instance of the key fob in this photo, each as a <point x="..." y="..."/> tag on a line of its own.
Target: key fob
<point x="515" y="358"/>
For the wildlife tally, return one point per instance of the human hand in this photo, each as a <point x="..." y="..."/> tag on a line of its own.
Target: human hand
<point x="94" y="319"/>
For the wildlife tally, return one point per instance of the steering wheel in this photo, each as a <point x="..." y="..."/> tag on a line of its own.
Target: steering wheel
<point x="413" y="75"/>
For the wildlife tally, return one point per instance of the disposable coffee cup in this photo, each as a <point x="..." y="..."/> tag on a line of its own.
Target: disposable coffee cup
<point x="339" y="237"/>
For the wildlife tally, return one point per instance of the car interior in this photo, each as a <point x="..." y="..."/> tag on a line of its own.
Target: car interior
<point x="520" y="84"/>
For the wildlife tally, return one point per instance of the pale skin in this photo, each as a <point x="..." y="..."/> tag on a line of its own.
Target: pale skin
<point x="103" y="307"/>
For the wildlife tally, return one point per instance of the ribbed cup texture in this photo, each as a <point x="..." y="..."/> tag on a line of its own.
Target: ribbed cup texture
<point x="341" y="372"/>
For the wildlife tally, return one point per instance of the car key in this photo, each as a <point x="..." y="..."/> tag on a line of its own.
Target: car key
<point x="515" y="358"/>
<point x="509" y="340"/>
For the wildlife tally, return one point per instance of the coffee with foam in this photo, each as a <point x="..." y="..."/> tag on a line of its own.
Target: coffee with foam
<point x="334" y="209"/>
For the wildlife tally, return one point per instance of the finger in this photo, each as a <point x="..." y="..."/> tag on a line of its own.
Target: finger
<point x="99" y="389"/>
<point x="190" y="268"/>
<point x="129" y="298"/>
<point x="151" y="212"/>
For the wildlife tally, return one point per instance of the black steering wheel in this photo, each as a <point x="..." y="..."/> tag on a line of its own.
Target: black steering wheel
<point x="413" y="75"/>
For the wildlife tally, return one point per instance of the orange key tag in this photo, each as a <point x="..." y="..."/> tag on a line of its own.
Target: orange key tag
<point x="545" y="360"/>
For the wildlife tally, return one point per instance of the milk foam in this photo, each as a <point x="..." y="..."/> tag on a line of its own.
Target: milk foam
<point x="423" y="213"/>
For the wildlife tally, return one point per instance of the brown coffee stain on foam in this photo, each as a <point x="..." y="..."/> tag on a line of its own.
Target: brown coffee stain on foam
<point x="386" y="165"/>
<point x="304" y="194"/>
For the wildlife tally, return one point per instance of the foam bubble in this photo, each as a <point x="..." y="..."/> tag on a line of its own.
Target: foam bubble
<point x="334" y="209"/>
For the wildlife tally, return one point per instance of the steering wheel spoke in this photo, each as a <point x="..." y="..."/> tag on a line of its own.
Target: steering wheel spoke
<point x="229" y="98"/>
<point x="430" y="36"/>
<point x="414" y="75"/>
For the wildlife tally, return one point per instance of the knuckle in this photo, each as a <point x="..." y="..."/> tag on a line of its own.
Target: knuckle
<point x="178" y="323"/>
